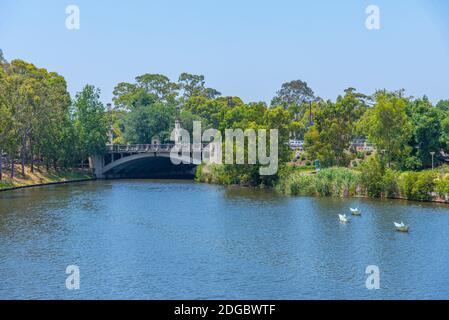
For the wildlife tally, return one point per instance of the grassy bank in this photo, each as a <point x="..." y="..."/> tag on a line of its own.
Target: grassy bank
<point x="334" y="182"/>
<point x="369" y="181"/>
<point x="429" y="185"/>
<point x="38" y="177"/>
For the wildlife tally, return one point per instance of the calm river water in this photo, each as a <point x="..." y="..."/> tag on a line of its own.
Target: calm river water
<point x="182" y="240"/>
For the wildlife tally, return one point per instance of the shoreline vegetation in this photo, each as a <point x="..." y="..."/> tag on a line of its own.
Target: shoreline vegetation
<point x="337" y="182"/>
<point x="424" y="186"/>
<point x="41" y="177"/>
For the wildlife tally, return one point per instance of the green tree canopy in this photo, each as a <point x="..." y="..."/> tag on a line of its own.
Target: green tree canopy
<point x="443" y="105"/>
<point x="426" y="131"/>
<point x="387" y="125"/>
<point x="90" y="122"/>
<point x="195" y="86"/>
<point x="334" y="129"/>
<point x="294" y="92"/>
<point x="148" y="121"/>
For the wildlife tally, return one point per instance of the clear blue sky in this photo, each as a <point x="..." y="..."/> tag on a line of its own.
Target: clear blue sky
<point x="244" y="48"/>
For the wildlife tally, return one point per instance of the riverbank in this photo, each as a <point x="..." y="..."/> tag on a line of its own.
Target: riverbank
<point x="40" y="177"/>
<point x="427" y="186"/>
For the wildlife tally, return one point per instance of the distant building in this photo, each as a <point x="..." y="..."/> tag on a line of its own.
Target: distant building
<point x="296" y="144"/>
<point x="361" y="145"/>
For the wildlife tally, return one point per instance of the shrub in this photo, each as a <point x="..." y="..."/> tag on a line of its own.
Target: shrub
<point x="337" y="182"/>
<point x="389" y="183"/>
<point x="424" y="186"/>
<point x="405" y="184"/>
<point x="372" y="175"/>
<point x="412" y="163"/>
<point x="418" y="185"/>
<point x="442" y="186"/>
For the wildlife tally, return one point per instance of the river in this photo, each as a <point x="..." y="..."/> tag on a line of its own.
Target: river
<point x="183" y="240"/>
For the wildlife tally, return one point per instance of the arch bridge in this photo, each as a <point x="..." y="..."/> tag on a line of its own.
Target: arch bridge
<point x="142" y="161"/>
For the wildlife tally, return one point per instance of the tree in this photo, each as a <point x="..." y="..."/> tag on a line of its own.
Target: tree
<point x="55" y="131"/>
<point x="35" y="103"/>
<point x="158" y="85"/>
<point x="126" y="95"/>
<point x="148" y="121"/>
<point x="443" y="105"/>
<point x="426" y="131"/>
<point x="149" y="88"/>
<point x="28" y="92"/>
<point x="211" y="111"/>
<point x="334" y="129"/>
<point x="90" y="122"/>
<point x="444" y="135"/>
<point x="386" y="125"/>
<point x="294" y="92"/>
<point x="6" y="120"/>
<point x="195" y="86"/>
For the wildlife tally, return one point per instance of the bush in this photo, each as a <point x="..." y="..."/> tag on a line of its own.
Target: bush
<point x="442" y="186"/>
<point x="424" y="186"/>
<point x="212" y="174"/>
<point x="405" y="184"/>
<point x="418" y="185"/>
<point x="372" y="175"/>
<point x="336" y="182"/>
<point x="413" y="163"/>
<point x="389" y="184"/>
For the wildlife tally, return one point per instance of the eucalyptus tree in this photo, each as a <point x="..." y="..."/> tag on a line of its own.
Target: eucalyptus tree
<point x="192" y="85"/>
<point x="6" y="119"/>
<point x="334" y="128"/>
<point x="55" y="131"/>
<point x="443" y="105"/>
<point x="387" y="125"/>
<point x="426" y="131"/>
<point x="295" y="93"/>
<point x="148" y="88"/>
<point x="90" y="123"/>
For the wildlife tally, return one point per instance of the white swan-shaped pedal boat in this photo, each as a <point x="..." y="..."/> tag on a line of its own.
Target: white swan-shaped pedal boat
<point x="401" y="227"/>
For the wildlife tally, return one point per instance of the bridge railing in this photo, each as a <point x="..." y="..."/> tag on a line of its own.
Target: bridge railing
<point x="139" y="148"/>
<point x="144" y="148"/>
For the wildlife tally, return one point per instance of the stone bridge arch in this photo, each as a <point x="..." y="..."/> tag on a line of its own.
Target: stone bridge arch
<point x="147" y="164"/>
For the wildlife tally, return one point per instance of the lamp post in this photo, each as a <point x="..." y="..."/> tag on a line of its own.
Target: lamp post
<point x="433" y="155"/>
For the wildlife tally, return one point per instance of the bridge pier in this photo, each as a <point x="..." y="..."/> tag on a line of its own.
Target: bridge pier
<point x="98" y="164"/>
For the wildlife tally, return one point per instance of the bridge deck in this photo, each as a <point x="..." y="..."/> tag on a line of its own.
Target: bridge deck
<point x="150" y="148"/>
